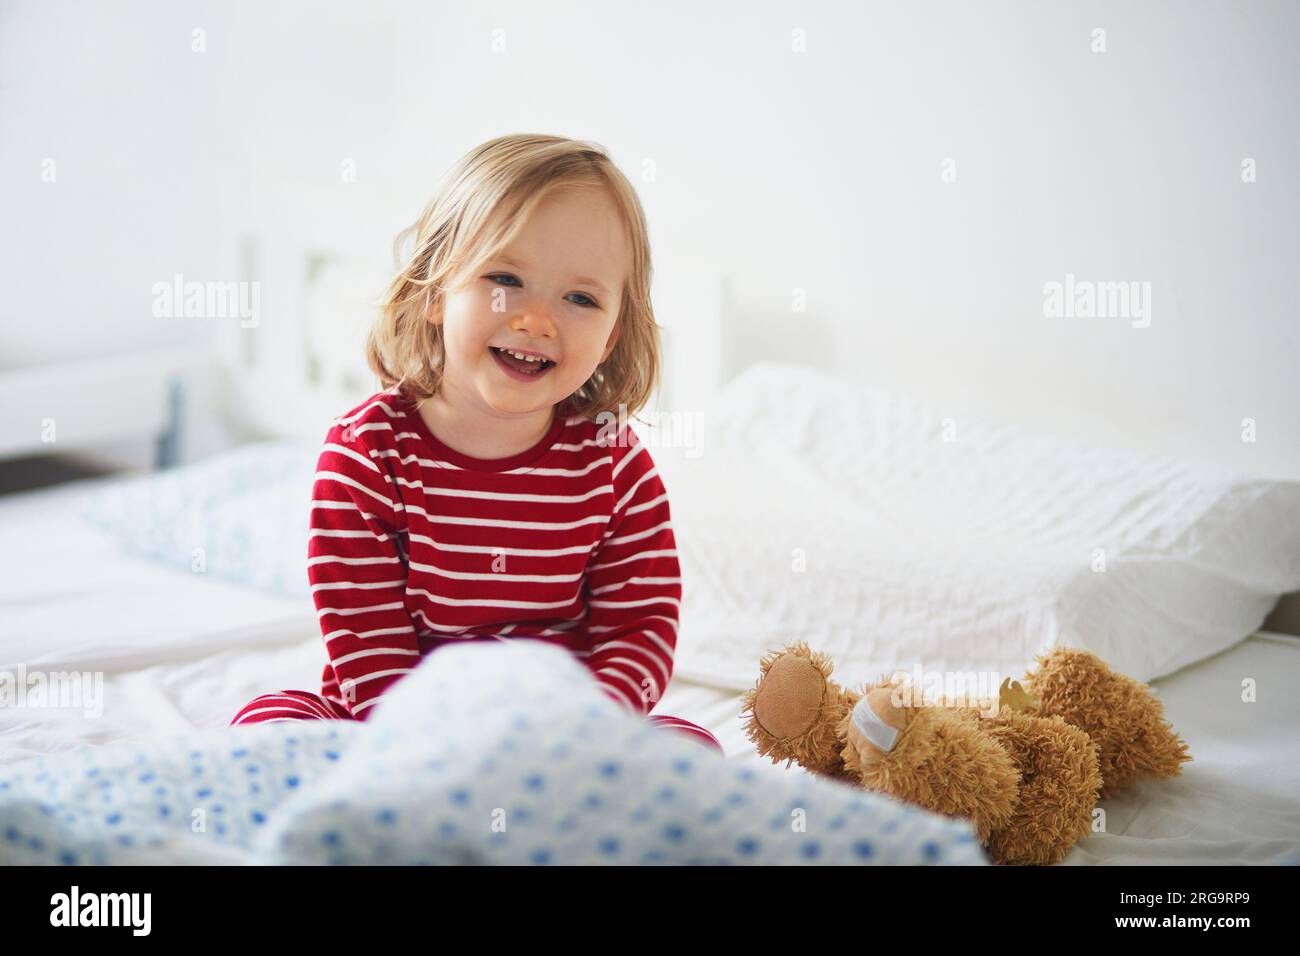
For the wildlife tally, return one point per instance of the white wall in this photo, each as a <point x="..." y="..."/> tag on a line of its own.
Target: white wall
<point x="817" y="171"/>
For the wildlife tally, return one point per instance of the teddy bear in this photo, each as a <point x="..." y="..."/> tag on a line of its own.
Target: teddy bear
<point x="1027" y="775"/>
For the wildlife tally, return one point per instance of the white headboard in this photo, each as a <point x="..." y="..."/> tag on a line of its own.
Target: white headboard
<point x="304" y="364"/>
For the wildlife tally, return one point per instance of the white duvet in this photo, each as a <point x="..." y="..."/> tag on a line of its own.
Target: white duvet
<point x="501" y="753"/>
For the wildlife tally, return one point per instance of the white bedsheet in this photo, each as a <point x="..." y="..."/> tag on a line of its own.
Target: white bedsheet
<point x="181" y="651"/>
<point x="69" y="597"/>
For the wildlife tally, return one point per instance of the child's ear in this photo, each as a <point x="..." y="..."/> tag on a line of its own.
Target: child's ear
<point x="432" y="309"/>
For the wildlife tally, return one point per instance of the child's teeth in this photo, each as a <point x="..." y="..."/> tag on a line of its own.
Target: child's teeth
<point x="522" y="357"/>
<point x="539" y="364"/>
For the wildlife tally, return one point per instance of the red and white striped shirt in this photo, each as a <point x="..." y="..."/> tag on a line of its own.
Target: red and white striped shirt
<point x="414" y="546"/>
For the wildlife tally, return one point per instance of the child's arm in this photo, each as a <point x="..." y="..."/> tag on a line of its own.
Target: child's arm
<point x="358" y="572"/>
<point x="633" y="587"/>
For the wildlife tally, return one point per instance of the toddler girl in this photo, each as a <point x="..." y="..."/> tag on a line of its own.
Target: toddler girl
<point x="486" y="494"/>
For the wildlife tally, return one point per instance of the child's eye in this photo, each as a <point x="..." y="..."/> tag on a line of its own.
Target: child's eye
<point x="588" y="303"/>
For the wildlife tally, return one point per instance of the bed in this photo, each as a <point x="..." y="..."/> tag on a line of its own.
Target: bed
<point x="181" y="651"/>
<point x="915" y="547"/>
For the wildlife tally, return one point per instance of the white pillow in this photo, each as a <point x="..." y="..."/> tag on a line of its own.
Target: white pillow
<point x="966" y="555"/>
<point x="244" y="514"/>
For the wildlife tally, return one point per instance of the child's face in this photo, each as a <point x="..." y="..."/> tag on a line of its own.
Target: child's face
<point x="539" y="297"/>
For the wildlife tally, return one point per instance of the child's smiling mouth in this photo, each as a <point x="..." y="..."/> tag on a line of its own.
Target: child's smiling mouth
<point x="522" y="370"/>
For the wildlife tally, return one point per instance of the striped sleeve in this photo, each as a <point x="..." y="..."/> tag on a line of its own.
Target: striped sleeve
<point x="633" y="587"/>
<point x="357" y="570"/>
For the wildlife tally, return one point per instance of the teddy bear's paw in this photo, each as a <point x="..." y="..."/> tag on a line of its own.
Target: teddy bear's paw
<point x="789" y="693"/>
<point x="795" y="707"/>
<point x="1122" y="716"/>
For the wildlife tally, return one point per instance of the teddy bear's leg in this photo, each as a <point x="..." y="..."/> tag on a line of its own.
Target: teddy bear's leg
<point x="795" y="708"/>
<point x="1122" y="716"/>
<point x="1059" y="786"/>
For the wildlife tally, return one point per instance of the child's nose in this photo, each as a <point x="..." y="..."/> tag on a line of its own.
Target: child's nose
<point x="536" y="319"/>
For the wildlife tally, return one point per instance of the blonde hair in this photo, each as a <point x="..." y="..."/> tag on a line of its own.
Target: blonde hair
<point x="512" y="174"/>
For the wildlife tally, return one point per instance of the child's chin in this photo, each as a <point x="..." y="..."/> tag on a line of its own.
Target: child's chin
<point x="525" y="398"/>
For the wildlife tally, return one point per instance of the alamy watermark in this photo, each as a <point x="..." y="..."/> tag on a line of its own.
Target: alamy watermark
<point x="75" y="908"/>
<point x="1085" y="299"/>
<point x="980" y="690"/>
<point x="665" y="430"/>
<point x="179" y="299"/>
<point x="53" y="689"/>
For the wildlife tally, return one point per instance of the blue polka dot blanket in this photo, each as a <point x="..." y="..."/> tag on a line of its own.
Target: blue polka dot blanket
<point x="485" y="754"/>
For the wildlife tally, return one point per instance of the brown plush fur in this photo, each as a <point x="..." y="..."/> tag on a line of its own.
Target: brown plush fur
<point x="814" y="745"/>
<point x="1027" y="781"/>
<point x="943" y="762"/>
<point x="1059" y="783"/>
<point x="1123" y="717"/>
